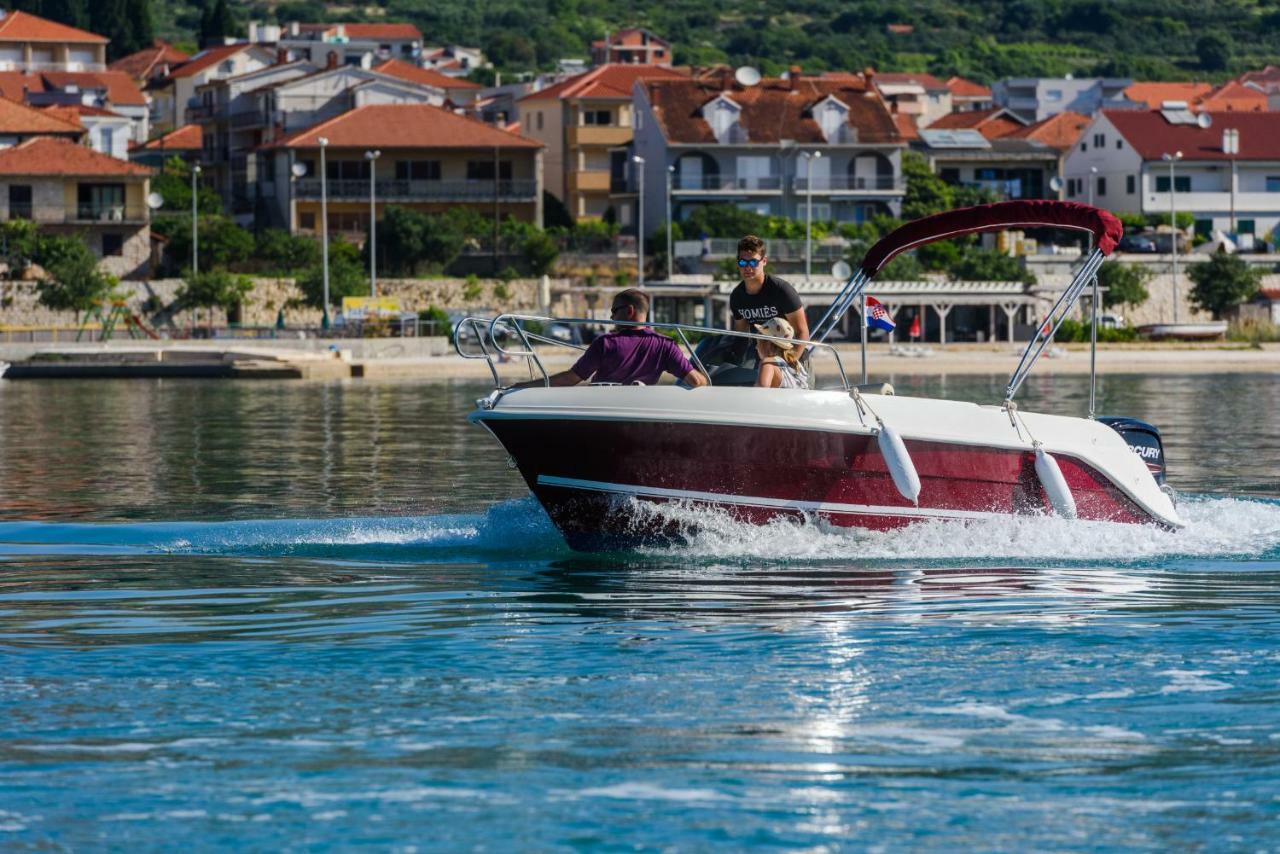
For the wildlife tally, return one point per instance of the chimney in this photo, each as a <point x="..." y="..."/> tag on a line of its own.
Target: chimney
<point x="282" y="55"/>
<point x="869" y="74"/>
<point x="294" y="29"/>
<point x="726" y="78"/>
<point x="793" y="76"/>
<point x="332" y="60"/>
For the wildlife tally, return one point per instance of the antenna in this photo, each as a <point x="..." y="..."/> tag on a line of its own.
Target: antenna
<point x="746" y="76"/>
<point x="1204" y="120"/>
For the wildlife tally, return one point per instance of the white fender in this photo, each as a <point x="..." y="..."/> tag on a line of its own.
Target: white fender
<point x="1055" y="485"/>
<point x="899" y="462"/>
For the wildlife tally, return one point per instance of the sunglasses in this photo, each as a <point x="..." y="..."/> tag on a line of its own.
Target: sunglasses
<point x="749" y="262"/>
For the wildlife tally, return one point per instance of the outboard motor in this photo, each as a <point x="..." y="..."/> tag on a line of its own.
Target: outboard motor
<point x="1144" y="440"/>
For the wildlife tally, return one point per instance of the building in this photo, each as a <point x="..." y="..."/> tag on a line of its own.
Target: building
<point x="633" y="46"/>
<point x="172" y="94"/>
<point x="351" y="44"/>
<point x="1120" y="164"/>
<point x="967" y="95"/>
<point x="453" y="60"/>
<point x="150" y="63"/>
<point x="430" y="160"/>
<point x="67" y="188"/>
<point x="187" y="142"/>
<point x="1234" y="96"/>
<point x="1009" y="168"/>
<point x="237" y="115"/>
<point x="1154" y="95"/>
<point x="720" y="142"/>
<point x="1036" y="98"/>
<point x="457" y="91"/>
<point x="31" y="43"/>
<point x="104" y="130"/>
<point x="18" y="123"/>
<point x="922" y="96"/>
<point x="994" y="123"/>
<point x="580" y="120"/>
<point x="113" y="91"/>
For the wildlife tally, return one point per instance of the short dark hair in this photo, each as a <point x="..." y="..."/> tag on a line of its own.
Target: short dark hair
<point x="635" y="298"/>
<point x="751" y="243"/>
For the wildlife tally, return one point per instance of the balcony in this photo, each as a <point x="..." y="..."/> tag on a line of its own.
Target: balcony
<point x="200" y="113"/>
<point x="599" y="135"/>
<point x="80" y="214"/>
<point x="248" y="119"/>
<point x="589" y="181"/>
<point x="422" y="191"/>
<point x="874" y="184"/>
<point x="726" y="184"/>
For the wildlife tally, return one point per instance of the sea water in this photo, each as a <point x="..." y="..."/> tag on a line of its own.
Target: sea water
<point x="263" y="616"/>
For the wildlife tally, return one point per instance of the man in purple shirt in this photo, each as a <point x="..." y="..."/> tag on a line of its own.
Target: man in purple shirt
<point x="631" y="354"/>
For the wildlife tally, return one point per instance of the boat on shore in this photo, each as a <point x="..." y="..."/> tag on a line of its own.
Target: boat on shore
<point x="615" y="466"/>
<point x="1204" y="331"/>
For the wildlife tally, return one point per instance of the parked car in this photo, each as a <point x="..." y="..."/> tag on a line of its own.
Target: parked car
<point x="1137" y="243"/>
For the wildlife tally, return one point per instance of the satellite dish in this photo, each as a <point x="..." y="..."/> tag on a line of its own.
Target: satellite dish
<point x="1055" y="183"/>
<point x="155" y="201"/>
<point x="298" y="169"/>
<point x="1204" y="120"/>
<point x="747" y="76"/>
<point x="841" y="270"/>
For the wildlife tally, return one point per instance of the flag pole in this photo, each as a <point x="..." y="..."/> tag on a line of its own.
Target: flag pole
<point x="864" y="338"/>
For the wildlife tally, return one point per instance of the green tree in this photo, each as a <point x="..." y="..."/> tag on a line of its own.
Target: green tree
<point x="540" y="251"/>
<point x="1222" y="282"/>
<point x="984" y="265"/>
<point x="72" y="280"/>
<point x="554" y="213"/>
<point x="1214" y="51"/>
<point x="401" y="240"/>
<point x="216" y="23"/>
<point x="1124" y="284"/>
<point x="223" y="244"/>
<point x="346" y="276"/>
<point x="926" y="194"/>
<point x="19" y="245"/>
<point x="174" y="186"/>
<point x="282" y="253"/>
<point x="214" y="289"/>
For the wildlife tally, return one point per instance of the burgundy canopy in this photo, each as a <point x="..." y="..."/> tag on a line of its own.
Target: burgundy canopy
<point x="1106" y="229"/>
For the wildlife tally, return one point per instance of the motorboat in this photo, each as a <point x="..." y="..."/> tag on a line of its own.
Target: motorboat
<point x="616" y="466"/>
<point x="1203" y="331"/>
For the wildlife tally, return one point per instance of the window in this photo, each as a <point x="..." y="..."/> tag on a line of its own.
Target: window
<point x="417" y="170"/>
<point x="950" y="175"/>
<point x="1102" y="186"/>
<point x="100" y="201"/>
<point x="1119" y="144"/>
<point x="1053" y="95"/>
<point x="1273" y="183"/>
<point x="104" y="139"/>
<point x="539" y="120"/>
<point x="307" y="220"/>
<point x="112" y="245"/>
<point x="1084" y="146"/>
<point x="482" y="170"/>
<point x="347" y="170"/>
<point x="1099" y="140"/>
<point x="310" y="166"/>
<point x="1181" y="184"/>
<point x="1130" y="184"/>
<point x="597" y="117"/>
<point x="19" y="201"/>
<point x="1245" y="226"/>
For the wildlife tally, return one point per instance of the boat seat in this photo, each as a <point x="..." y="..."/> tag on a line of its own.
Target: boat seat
<point x="875" y="388"/>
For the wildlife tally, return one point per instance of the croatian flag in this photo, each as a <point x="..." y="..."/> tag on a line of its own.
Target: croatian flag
<point x="878" y="316"/>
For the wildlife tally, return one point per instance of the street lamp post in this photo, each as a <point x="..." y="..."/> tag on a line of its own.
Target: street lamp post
<point x="372" y="157"/>
<point x="671" y="171"/>
<point x="808" y="211"/>
<point x="1173" y="225"/>
<point x="639" y="162"/>
<point x="195" y="233"/>
<point x="323" y="142"/>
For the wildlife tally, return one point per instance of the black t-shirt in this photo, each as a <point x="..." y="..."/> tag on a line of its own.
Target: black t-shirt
<point x="776" y="299"/>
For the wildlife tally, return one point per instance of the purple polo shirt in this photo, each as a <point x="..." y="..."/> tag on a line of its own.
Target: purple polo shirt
<point x="630" y="355"/>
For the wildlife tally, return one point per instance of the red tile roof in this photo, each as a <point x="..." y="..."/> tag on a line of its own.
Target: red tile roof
<point x="1272" y="294"/>
<point x="423" y="76"/>
<point x="1151" y="135"/>
<point x="25" y="27"/>
<point x="1270" y="74"/>
<point x="1154" y="94"/>
<point x="1061" y="131"/>
<point x="367" y="31"/>
<point x="20" y="119"/>
<point x="48" y="156"/>
<point x="143" y="63"/>
<point x="405" y="126"/>
<point x="206" y="58"/>
<point x="908" y="129"/>
<point x="771" y="111"/>
<point x="73" y="112"/>
<point x="928" y="81"/>
<point x="606" y="81"/>
<point x="992" y="124"/>
<point x="120" y="88"/>
<point x="185" y="138"/>
<point x="1234" y="96"/>
<point x="962" y="88"/>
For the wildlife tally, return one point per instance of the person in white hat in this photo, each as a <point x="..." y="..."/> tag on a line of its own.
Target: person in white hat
<point x="780" y="364"/>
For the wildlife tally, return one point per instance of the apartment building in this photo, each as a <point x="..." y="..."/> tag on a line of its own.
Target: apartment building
<point x="172" y="94"/>
<point x="351" y="44"/>
<point x="923" y="97"/>
<point x="428" y="159"/>
<point x="67" y="188"/>
<point x="31" y="43"/>
<point x="1120" y="164"/>
<point x="1037" y="98"/>
<point x="150" y="63"/>
<point x="632" y="46"/>
<point x="721" y="142"/>
<point x="580" y="121"/>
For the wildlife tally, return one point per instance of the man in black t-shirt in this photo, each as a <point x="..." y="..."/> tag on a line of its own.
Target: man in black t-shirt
<point x="760" y="296"/>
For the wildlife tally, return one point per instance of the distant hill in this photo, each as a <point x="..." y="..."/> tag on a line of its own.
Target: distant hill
<point x="981" y="39"/>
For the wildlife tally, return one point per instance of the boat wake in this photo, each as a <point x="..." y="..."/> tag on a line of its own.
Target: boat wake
<point x="519" y="531"/>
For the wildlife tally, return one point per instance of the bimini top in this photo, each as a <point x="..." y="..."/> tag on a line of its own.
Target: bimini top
<point x="1103" y="225"/>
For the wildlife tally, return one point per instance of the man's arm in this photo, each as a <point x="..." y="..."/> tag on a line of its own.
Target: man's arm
<point x="563" y="378"/>
<point x="740" y="325"/>
<point x="695" y="379"/>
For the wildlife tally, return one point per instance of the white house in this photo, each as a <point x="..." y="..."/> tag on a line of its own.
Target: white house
<point x="1119" y="164"/>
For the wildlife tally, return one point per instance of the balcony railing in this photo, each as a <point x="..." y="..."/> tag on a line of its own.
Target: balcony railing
<point x="80" y="214"/>
<point x="248" y="119"/>
<point x="855" y="183"/>
<point x="200" y="112"/>
<point x="725" y="183"/>
<point x="517" y="190"/>
<point x="19" y="65"/>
